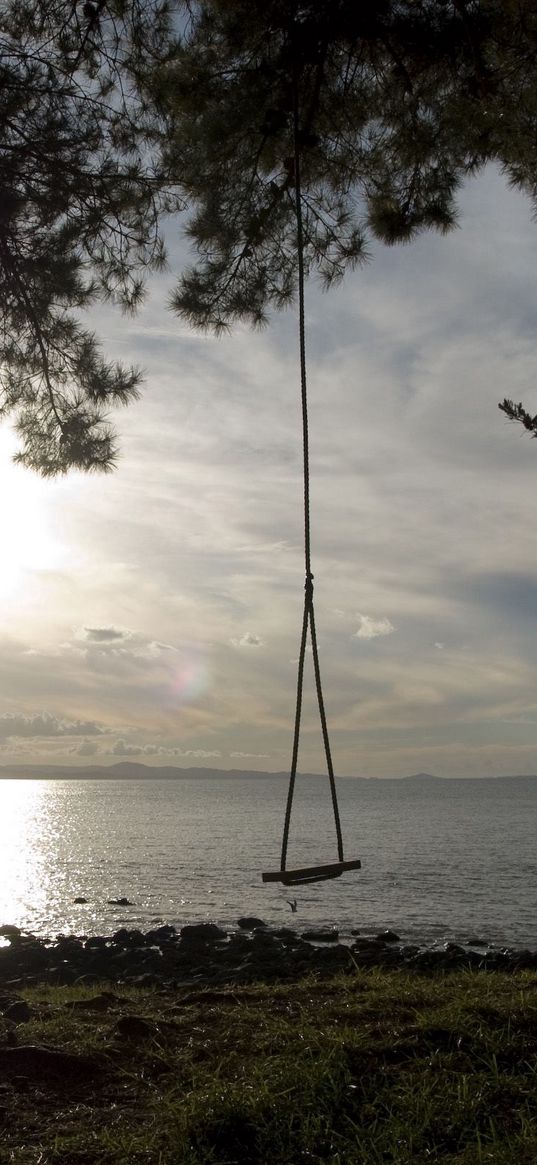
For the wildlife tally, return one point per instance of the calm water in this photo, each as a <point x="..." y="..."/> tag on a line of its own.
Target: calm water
<point x="452" y="860"/>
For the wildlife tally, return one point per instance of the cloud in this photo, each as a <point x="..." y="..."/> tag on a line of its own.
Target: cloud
<point x="86" y="748"/>
<point x="126" y="748"/>
<point x="372" y="628"/>
<point x="122" y="748"/>
<point x="250" y="755"/>
<point x="117" y="642"/>
<point x="44" y="724"/>
<point x="105" y="634"/>
<point x="199" y="753"/>
<point x="248" y="640"/>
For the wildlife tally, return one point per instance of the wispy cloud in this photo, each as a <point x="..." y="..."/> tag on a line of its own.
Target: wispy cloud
<point x="371" y="628"/>
<point x="249" y="755"/>
<point x="86" y="748"/>
<point x="247" y="640"/>
<point x="104" y="634"/>
<point x="44" y="724"/>
<point x="115" y="641"/>
<point x="125" y="748"/>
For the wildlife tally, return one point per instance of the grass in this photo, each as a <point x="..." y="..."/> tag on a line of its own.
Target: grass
<point x="378" y="1068"/>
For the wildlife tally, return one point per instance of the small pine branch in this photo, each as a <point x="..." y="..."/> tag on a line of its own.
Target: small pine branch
<point x="516" y="412"/>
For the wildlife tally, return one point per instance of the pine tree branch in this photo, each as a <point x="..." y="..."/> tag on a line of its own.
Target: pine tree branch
<point x="516" y="412"/>
<point x="10" y="265"/>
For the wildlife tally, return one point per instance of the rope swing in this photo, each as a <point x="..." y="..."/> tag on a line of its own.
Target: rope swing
<point x="297" y="877"/>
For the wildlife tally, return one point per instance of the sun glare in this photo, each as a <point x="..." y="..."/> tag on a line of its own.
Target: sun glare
<point x="28" y="542"/>
<point x="22" y="881"/>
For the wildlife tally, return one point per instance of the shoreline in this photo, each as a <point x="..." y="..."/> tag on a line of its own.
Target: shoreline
<point x="204" y="954"/>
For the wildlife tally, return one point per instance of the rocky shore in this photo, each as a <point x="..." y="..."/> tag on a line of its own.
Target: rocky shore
<point x="205" y="954"/>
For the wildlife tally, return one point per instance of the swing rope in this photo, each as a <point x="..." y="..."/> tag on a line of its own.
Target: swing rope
<point x="308" y="616"/>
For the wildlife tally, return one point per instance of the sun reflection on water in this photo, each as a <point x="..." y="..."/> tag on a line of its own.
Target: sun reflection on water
<point x="25" y="838"/>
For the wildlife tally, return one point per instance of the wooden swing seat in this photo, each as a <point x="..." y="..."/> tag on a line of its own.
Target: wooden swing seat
<point x="306" y="874"/>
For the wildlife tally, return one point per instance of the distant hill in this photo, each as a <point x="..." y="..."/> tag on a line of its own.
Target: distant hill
<point x="132" y="770"/>
<point x="124" y="770"/>
<point x="425" y="777"/>
<point x="431" y="779"/>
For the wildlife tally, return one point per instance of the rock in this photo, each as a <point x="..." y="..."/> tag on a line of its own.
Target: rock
<point x="321" y="936"/>
<point x="102" y="1002"/>
<point x="96" y="942"/>
<point x="18" y="1012"/>
<point x="67" y="947"/>
<point x="80" y="901"/>
<point x="524" y="960"/>
<point x="119" y="902"/>
<point x="368" y="944"/>
<point x="41" y="1063"/>
<point x="128" y="938"/>
<point x="32" y="956"/>
<point x="250" y="922"/>
<point x="144" y="980"/>
<point x="133" y="1027"/>
<point x="332" y="956"/>
<point x="7" y="1000"/>
<point x="160" y="934"/>
<point x="264" y="938"/>
<point x="367" y="958"/>
<point x="475" y="958"/>
<point x="98" y="963"/>
<point x="387" y="936"/>
<point x="208" y="931"/>
<point x="9" y="931"/>
<point x="62" y="975"/>
<point x="454" y="949"/>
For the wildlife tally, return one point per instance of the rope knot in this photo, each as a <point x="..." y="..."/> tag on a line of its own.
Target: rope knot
<point x="308" y="586"/>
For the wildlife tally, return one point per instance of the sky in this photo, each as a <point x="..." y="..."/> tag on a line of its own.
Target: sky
<point x="155" y="614"/>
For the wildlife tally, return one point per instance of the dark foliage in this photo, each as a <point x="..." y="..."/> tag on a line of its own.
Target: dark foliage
<point x="399" y="100"/>
<point x="81" y="193"/>
<point x="516" y="412"/>
<point x="116" y="112"/>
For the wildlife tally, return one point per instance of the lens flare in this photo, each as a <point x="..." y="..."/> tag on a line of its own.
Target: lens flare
<point x="191" y="681"/>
